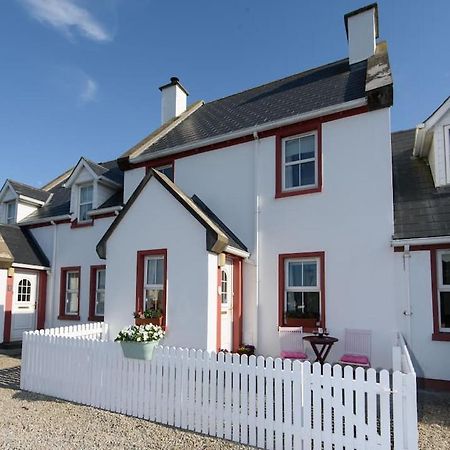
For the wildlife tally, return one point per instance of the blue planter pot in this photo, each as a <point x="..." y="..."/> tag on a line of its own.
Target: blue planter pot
<point x="138" y="350"/>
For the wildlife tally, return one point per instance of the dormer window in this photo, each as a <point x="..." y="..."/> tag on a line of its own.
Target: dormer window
<point x="86" y="202"/>
<point x="10" y="212"/>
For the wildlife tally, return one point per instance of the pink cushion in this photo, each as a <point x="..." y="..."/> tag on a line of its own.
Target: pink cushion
<point x="356" y="359"/>
<point x="294" y="355"/>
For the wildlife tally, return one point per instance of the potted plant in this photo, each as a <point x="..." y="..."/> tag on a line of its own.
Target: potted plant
<point x="149" y="316"/>
<point x="139" y="341"/>
<point x="246" y="350"/>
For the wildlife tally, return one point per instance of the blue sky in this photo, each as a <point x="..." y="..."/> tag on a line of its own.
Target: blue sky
<point x="81" y="77"/>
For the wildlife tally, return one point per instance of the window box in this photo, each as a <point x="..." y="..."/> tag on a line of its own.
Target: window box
<point x="309" y="324"/>
<point x="149" y="321"/>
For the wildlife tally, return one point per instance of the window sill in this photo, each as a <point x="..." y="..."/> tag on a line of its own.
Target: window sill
<point x="312" y="190"/>
<point x="65" y="317"/>
<point x="96" y="318"/>
<point x="441" y="336"/>
<point x="76" y="224"/>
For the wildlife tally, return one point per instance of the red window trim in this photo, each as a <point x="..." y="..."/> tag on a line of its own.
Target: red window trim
<point x="62" y="293"/>
<point x="92" y="292"/>
<point x="281" y="280"/>
<point x="437" y="334"/>
<point x="140" y="266"/>
<point x="298" y="129"/>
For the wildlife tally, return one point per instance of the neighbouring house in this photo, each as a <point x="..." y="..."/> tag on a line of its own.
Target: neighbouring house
<point x="269" y="208"/>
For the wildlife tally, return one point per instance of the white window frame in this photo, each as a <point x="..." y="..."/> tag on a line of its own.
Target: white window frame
<point x="97" y="291"/>
<point x="71" y="291"/>
<point x="80" y="203"/>
<point x="10" y="219"/>
<point x="299" y="162"/>
<point x="441" y="288"/>
<point x="316" y="288"/>
<point x="159" y="287"/>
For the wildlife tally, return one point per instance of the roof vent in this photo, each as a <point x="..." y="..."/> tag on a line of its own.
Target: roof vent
<point x="362" y="32"/>
<point x="173" y="99"/>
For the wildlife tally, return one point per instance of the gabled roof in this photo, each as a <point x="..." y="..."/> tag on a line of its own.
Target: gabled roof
<point x="218" y="236"/>
<point x="98" y="171"/>
<point x="420" y="209"/>
<point x="22" y="246"/>
<point x="26" y="190"/>
<point x="314" y="89"/>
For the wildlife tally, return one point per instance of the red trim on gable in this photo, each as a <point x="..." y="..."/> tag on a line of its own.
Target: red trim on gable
<point x="42" y="300"/>
<point x="8" y="308"/>
<point x="437" y="334"/>
<point x="62" y="293"/>
<point x="92" y="292"/>
<point x="281" y="279"/>
<point x="73" y="224"/>
<point x="140" y="267"/>
<point x="87" y="223"/>
<point x="422" y="247"/>
<point x="46" y="224"/>
<point x="248" y="138"/>
<point x="237" y="303"/>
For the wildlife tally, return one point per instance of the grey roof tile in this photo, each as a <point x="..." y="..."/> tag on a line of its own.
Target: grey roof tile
<point x="29" y="191"/>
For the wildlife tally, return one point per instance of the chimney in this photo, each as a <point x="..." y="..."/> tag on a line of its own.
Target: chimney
<point x="362" y="32"/>
<point x="173" y="99"/>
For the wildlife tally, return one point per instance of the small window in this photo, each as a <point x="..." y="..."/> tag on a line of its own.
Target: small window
<point x="299" y="162"/>
<point x="224" y="287"/>
<point x="69" y="308"/>
<point x="301" y="297"/>
<point x="24" y="291"/>
<point x="154" y="282"/>
<point x="86" y="200"/>
<point x="10" y="212"/>
<point x="167" y="170"/>
<point x="100" y="293"/>
<point x="444" y="292"/>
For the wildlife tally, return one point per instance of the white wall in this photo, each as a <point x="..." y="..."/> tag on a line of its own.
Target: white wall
<point x="131" y="179"/>
<point x="157" y="220"/>
<point x="3" y="282"/>
<point x="24" y="210"/>
<point x="75" y="247"/>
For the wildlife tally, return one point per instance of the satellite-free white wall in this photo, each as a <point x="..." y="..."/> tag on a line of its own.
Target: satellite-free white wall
<point x="157" y="220"/>
<point x="361" y="36"/>
<point x="131" y="180"/>
<point x="3" y="282"/>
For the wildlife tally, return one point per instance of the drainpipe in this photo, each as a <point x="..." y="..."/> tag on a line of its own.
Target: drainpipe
<point x="257" y="241"/>
<point x="51" y="296"/>
<point x="407" y="312"/>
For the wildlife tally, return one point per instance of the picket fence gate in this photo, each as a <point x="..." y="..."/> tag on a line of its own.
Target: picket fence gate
<point x="263" y="402"/>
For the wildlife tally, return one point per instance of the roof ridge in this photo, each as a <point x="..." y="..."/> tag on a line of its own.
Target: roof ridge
<point x="24" y="184"/>
<point x="305" y="72"/>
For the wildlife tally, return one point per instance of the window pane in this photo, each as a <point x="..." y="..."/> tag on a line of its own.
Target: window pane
<point x="100" y="304"/>
<point x="310" y="273"/>
<point x="308" y="173"/>
<point x="294" y="304"/>
<point x="72" y="280"/>
<point x="295" y="274"/>
<point x="445" y="309"/>
<point x="86" y="193"/>
<point x="72" y="302"/>
<point x="155" y="271"/>
<point x="153" y="298"/>
<point x="84" y="209"/>
<point x="101" y="279"/>
<point x="446" y="269"/>
<point x="307" y="147"/>
<point x="312" y="305"/>
<point x="224" y="287"/>
<point x="291" y="176"/>
<point x="292" y="150"/>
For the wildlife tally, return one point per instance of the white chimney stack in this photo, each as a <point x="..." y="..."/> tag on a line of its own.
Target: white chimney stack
<point x="173" y="99"/>
<point x="362" y="32"/>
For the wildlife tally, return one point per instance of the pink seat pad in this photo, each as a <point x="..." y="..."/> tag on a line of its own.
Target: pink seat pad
<point x="356" y="359"/>
<point x="294" y="355"/>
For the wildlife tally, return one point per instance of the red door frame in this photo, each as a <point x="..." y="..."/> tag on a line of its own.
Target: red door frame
<point x="237" y="303"/>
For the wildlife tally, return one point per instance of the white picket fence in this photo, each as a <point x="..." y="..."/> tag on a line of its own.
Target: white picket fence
<point x="262" y="402"/>
<point x="94" y="330"/>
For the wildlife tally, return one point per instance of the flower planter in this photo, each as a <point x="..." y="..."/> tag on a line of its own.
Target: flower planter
<point x="305" y="323"/>
<point x="138" y="350"/>
<point x="149" y="321"/>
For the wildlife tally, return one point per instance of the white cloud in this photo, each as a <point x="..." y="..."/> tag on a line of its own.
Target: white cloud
<point x="89" y="90"/>
<point x="66" y="15"/>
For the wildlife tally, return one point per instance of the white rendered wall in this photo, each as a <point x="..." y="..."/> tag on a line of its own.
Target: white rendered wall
<point x="188" y="264"/>
<point x="361" y="36"/>
<point x="173" y="102"/>
<point x="3" y="282"/>
<point x="441" y="154"/>
<point x="24" y="210"/>
<point x="131" y="179"/>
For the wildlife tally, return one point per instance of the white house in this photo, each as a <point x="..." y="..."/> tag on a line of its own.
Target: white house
<point x="269" y="208"/>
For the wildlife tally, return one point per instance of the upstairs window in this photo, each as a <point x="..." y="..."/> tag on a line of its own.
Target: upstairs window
<point x="299" y="158"/>
<point x="86" y="200"/>
<point x="443" y="285"/>
<point x="10" y="212"/>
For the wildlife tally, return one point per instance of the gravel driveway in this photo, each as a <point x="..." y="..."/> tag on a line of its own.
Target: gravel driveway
<point x="31" y="421"/>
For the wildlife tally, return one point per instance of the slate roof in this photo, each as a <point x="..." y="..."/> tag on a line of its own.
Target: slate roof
<point x="420" y="209"/>
<point x="59" y="204"/>
<point x="29" y="191"/>
<point x="23" y="246"/>
<point x="314" y="89"/>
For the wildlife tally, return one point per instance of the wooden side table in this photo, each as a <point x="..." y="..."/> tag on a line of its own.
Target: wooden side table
<point x="321" y="346"/>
